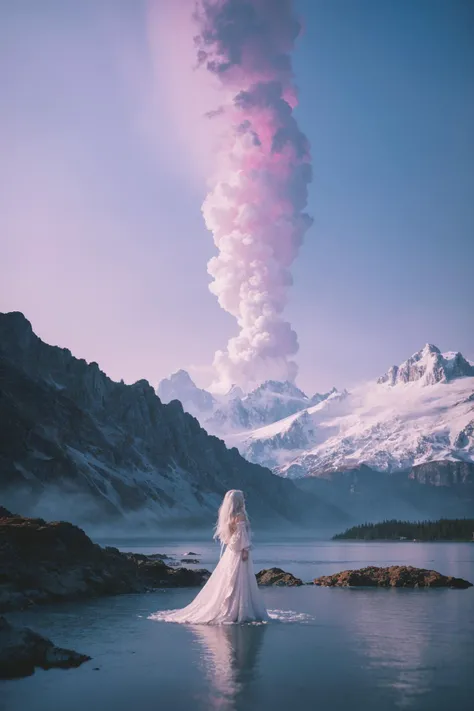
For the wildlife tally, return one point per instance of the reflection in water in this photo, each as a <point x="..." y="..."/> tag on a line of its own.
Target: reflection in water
<point x="230" y="656"/>
<point x="397" y="639"/>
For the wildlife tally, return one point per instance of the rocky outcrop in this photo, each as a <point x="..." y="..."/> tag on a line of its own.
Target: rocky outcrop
<point x="446" y="473"/>
<point x="396" y="576"/>
<point x="430" y="366"/>
<point x="278" y="577"/>
<point x="48" y="562"/>
<point x="76" y="445"/>
<point x="22" y="650"/>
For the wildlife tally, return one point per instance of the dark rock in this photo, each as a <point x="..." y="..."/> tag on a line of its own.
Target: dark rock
<point x="156" y="573"/>
<point x="192" y="554"/>
<point x="396" y="576"/>
<point x="190" y="561"/>
<point x="22" y="650"/>
<point x="46" y="562"/>
<point x="159" y="556"/>
<point x="446" y="474"/>
<point x="5" y="513"/>
<point x="277" y="576"/>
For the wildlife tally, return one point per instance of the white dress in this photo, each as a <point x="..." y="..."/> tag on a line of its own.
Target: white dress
<point x="230" y="595"/>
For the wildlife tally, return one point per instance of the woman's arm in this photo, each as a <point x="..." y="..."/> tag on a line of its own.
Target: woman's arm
<point x="242" y="520"/>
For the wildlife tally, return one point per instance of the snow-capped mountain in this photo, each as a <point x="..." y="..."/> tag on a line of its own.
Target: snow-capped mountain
<point x="270" y="402"/>
<point x="180" y="386"/>
<point x="421" y="411"/>
<point x="236" y="411"/>
<point x="429" y="366"/>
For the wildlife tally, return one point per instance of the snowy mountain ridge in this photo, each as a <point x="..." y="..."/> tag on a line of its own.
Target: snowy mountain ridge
<point x="429" y="366"/>
<point x="421" y="411"/>
<point x="417" y="412"/>
<point x="237" y="411"/>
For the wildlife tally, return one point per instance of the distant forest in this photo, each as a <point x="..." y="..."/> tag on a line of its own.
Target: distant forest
<point x="458" y="529"/>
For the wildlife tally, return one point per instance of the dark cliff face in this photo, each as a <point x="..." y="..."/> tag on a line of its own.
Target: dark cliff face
<point x="85" y="446"/>
<point x="444" y="473"/>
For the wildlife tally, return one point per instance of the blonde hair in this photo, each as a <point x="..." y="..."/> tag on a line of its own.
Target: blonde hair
<point x="232" y="506"/>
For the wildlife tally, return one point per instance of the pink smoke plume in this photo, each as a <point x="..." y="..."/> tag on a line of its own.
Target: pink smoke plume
<point x="255" y="207"/>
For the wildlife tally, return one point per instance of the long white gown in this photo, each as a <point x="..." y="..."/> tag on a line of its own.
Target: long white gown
<point x="230" y="595"/>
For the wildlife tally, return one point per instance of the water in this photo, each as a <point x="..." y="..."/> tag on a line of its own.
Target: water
<point x="330" y="648"/>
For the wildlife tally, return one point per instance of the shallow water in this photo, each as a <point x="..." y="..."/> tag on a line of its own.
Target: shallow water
<point x="328" y="649"/>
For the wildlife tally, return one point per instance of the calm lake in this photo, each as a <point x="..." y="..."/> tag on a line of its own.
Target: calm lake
<point x="328" y="649"/>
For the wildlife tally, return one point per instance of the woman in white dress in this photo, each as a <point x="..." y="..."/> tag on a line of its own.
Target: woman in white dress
<point x="231" y="594"/>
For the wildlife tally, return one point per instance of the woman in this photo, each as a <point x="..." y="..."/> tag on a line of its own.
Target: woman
<point x="231" y="593"/>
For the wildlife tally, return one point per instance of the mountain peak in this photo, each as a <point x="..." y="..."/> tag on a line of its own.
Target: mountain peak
<point x="429" y="366"/>
<point x="180" y="386"/>
<point x="319" y="397"/>
<point x="182" y="377"/>
<point x="234" y="392"/>
<point x="15" y="326"/>
<point x="278" y="387"/>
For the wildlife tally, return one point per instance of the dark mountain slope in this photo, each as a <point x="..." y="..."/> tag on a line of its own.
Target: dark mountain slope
<point x="74" y="444"/>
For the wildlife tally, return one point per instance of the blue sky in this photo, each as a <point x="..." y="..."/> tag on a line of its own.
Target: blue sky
<point x="104" y="246"/>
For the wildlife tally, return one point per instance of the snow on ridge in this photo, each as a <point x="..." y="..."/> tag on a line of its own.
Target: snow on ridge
<point x="386" y="428"/>
<point x="420" y="411"/>
<point x="428" y="366"/>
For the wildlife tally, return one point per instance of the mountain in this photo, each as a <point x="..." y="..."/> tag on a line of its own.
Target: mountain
<point x="419" y="412"/>
<point x="427" y="491"/>
<point x="76" y="445"/>
<point x="180" y="386"/>
<point x="236" y="411"/>
<point x="429" y="366"/>
<point x="270" y="402"/>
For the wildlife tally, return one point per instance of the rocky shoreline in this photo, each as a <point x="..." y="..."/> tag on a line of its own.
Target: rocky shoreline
<point x="44" y="562"/>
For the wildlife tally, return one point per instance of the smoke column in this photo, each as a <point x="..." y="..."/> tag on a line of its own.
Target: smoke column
<point x="255" y="207"/>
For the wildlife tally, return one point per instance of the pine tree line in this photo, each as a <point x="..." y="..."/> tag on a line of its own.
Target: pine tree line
<point x="459" y="529"/>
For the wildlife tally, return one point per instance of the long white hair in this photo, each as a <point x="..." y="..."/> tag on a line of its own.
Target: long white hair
<point x="233" y="505"/>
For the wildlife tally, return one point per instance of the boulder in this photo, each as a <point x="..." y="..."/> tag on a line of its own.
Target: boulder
<point x="277" y="576"/>
<point x="396" y="576"/>
<point x="22" y="650"/>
